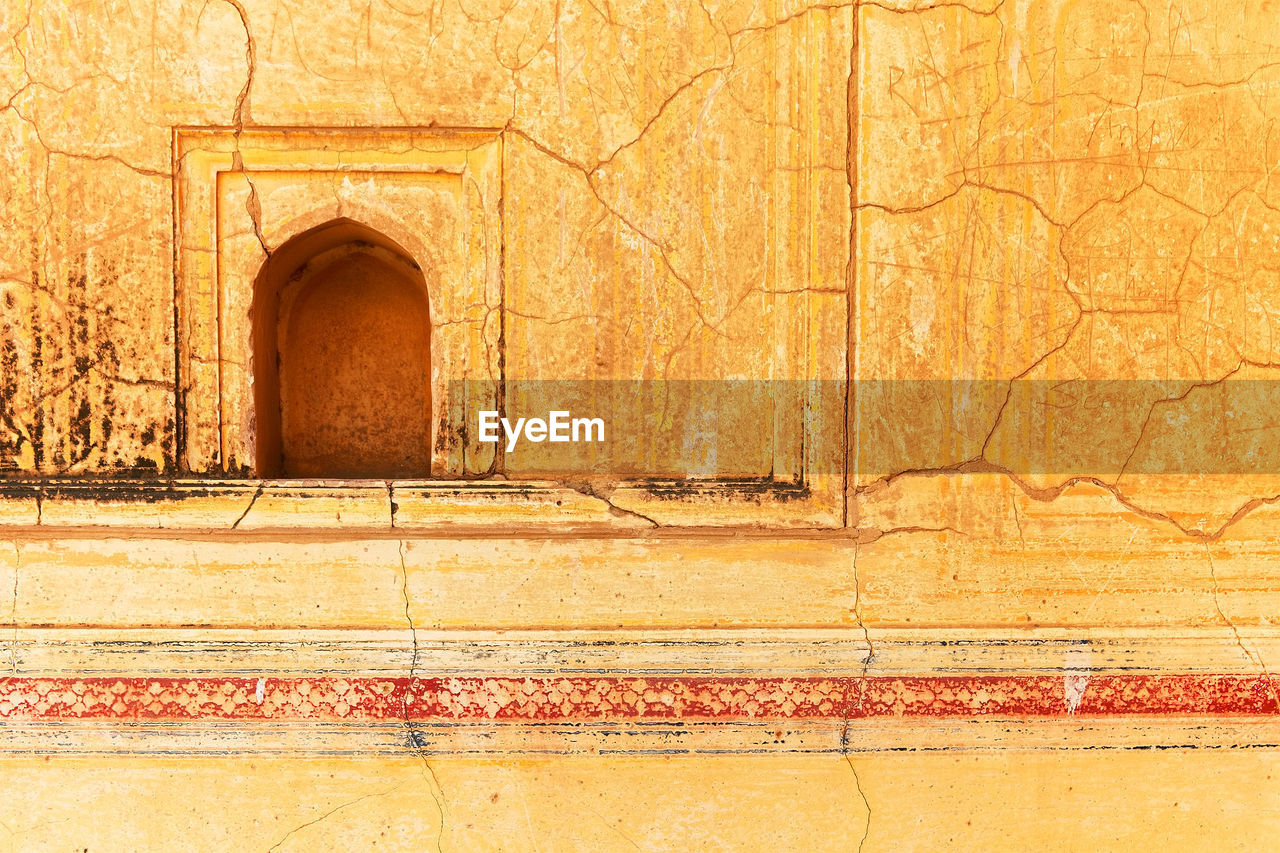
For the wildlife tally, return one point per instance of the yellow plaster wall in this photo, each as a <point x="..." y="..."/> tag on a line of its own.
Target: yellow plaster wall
<point x="906" y="193"/>
<point x="1012" y="800"/>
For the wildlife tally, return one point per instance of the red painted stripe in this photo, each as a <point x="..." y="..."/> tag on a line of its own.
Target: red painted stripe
<point x="614" y="698"/>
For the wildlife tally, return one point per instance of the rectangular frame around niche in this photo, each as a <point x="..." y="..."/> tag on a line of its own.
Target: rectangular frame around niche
<point x="208" y="160"/>
<point x="391" y="181"/>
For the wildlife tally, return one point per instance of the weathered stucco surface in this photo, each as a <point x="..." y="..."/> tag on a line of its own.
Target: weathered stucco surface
<point x="622" y="260"/>
<point x="998" y="565"/>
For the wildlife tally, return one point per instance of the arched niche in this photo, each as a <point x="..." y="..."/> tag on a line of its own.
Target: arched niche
<point x="342" y="358"/>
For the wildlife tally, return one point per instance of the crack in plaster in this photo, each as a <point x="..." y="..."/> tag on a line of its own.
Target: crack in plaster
<point x="929" y="7"/>
<point x="1017" y="520"/>
<point x="794" y="16"/>
<point x="862" y="692"/>
<point x="92" y="158"/>
<point x="1191" y="388"/>
<point x="416" y="741"/>
<point x="239" y="118"/>
<point x="251" y="60"/>
<point x="867" y="535"/>
<point x="330" y="813"/>
<point x="257" y="493"/>
<point x="589" y="489"/>
<point x="1048" y="494"/>
<point x="1252" y="655"/>
<point x="12" y="105"/>
<point x="851" y="423"/>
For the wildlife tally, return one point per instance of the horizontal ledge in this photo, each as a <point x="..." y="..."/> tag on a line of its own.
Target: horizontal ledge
<point x="408" y="505"/>
<point x="334" y="129"/>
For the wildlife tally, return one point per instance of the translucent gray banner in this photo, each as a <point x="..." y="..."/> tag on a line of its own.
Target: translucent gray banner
<point x="788" y="430"/>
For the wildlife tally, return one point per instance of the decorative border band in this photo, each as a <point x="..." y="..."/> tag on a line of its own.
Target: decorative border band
<point x="611" y="698"/>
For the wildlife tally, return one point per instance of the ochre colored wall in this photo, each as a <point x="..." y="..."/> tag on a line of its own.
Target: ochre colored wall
<point x="1007" y="571"/>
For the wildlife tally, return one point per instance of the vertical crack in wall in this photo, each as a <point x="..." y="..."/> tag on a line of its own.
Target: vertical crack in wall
<point x="416" y="739"/>
<point x="251" y="61"/>
<point x="241" y="116"/>
<point x="1017" y="520"/>
<point x="251" y="205"/>
<point x="851" y="279"/>
<point x="853" y="108"/>
<point x="1251" y="654"/>
<point x="850" y="709"/>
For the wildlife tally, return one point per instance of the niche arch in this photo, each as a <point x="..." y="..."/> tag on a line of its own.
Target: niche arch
<point x="342" y="357"/>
